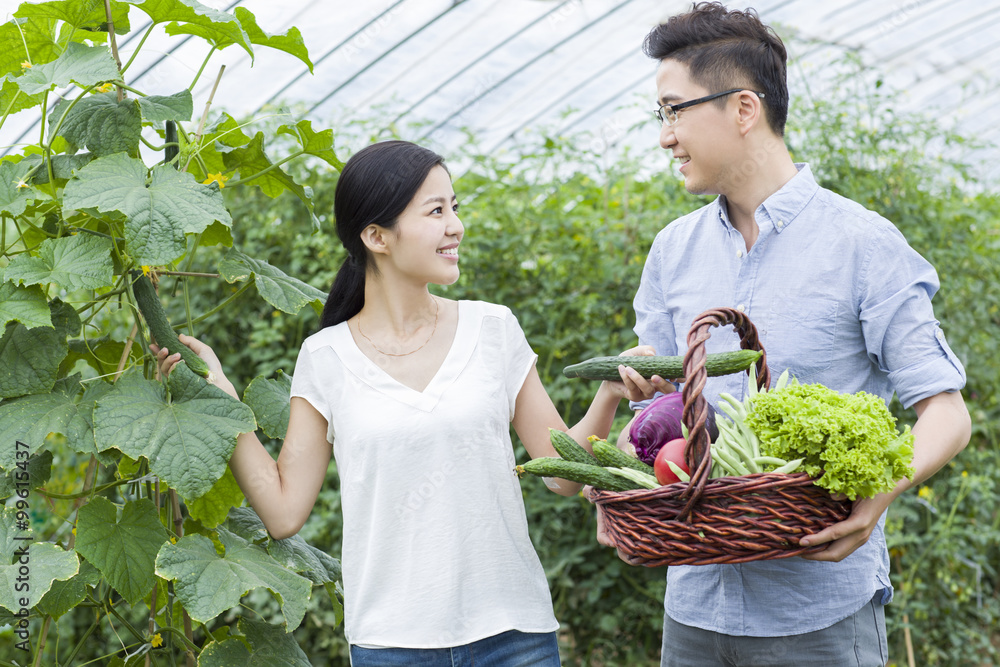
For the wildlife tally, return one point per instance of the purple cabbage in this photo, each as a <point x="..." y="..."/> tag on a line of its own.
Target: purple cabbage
<point x="659" y="423"/>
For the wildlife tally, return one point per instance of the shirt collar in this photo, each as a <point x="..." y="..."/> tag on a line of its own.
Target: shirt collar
<point x="785" y="204"/>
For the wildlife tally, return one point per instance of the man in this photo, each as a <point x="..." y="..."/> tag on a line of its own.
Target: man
<point x="838" y="298"/>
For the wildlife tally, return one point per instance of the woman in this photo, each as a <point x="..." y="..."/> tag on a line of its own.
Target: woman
<point x="416" y="393"/>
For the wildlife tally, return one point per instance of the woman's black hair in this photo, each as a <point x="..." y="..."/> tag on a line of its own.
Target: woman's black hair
<point x="375" y="187"/>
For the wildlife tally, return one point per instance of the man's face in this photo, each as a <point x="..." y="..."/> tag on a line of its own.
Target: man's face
<point x="702" y="138"/>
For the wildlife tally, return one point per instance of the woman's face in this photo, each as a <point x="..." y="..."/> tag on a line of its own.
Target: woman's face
<point x="424" y="243"/>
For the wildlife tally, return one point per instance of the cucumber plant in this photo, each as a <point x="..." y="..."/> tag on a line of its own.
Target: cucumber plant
<point x="114" y="480"/>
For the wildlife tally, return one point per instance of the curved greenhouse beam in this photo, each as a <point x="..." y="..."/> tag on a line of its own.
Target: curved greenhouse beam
<point x="326" y="55"/>
<point x="353" y="77"/>
<point x="548" y="108"/>
<point x="479" y="60"/>
<point x="838" y="40"/>
<point x="524" y="67"/>
<point x="941" y="33"/>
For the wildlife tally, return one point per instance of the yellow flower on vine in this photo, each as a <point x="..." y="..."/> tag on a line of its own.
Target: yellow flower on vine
<point x="216" y="178"/>
<point x="21" y="183"/>
<point x="156" y="641"/>
<point x="146" y="269"/>
<point x="925" y="492"/>
<point x="105" y="87"/>
<point x="25" y="65"/>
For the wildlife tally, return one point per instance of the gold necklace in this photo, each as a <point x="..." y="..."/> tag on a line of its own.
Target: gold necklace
<point x="437" y="310"/>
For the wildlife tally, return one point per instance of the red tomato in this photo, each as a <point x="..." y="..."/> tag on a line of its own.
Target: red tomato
<point x="671" y="451"/>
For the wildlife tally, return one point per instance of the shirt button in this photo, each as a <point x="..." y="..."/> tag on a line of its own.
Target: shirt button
<point x="939" y="334"/>
<point x="741" y="308"/>
<point x="779" y="224"/>
<point x="739" y="253"/>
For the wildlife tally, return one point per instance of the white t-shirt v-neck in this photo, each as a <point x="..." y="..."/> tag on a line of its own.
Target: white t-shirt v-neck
<point x="436" y="551"/>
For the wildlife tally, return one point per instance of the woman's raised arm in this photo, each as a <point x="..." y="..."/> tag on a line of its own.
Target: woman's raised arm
<point x="282" y="492"/>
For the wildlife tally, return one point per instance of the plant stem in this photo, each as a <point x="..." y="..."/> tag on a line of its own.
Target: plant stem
<point x="83" y="639"/>
<point x="138" y="47"/>
<point x="175" y="503"/>
<point x="204" y="114"/>
<point x="41" y="640"/>
<point x="202" y="69"/>
<point x="114" y="43"/>
<point x="189" y="274"/>
<point x="9" y="107"/>
<point x="222" y="305"/>
<point x="82" y="494"/>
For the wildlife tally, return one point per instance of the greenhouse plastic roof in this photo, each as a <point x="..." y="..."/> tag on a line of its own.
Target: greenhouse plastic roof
<point x="506" y="67"/>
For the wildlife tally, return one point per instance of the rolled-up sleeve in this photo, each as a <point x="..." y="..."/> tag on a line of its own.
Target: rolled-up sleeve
<point x="902" y="336"/>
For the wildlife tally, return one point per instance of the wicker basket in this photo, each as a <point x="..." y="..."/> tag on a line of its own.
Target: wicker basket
<point x="722" y="520"/>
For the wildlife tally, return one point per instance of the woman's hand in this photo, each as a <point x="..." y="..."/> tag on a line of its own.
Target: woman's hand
<point x="633" y="386"/>
<point x="167" y="360"/>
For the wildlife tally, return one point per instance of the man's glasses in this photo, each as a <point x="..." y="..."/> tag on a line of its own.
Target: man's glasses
<point x="667" y="113"/>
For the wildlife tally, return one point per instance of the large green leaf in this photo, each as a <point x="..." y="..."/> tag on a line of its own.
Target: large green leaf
<point x="269" y="400"/>
<point x="38" y="471"/>
<point x="30" y="358"/>
<point x="48" y="563"/>
<point x="178" y="106"/>
<point x="44" y="562"/>
<point x="14" y="191"/>
<point x="315" y="143"/>
<point x="208" y="584"/>
<point x="269" y="646"/>
<point x="27" y="41"/>
<point x="13" y="99"/>
<point x="250" y="160"/>
<point x="79" y="64"/>
<point x="192" y="18"/>
<point x="274" y="285"/>
<point x="213" y="507"/>
<point x="123" y="549"/>
<point x="101" y="123"/>
<point x="26" y="305"/>
<point x="83" y="14"/>
<point x="65" y="595"/>
<point x="289" y="41"/>
<point x="32" y="419"/>
<point x="63" y="166"/>
<point x="293" y="552"/>
<point x="158" y="214"/>
<point x="72" y="262"/>
<point x="187" y="436"/>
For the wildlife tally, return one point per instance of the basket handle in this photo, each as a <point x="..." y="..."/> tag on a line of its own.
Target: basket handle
<point x="695" y="415"/>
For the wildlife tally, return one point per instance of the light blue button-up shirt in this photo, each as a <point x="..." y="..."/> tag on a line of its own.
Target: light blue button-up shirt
<point x="838" y="297"/>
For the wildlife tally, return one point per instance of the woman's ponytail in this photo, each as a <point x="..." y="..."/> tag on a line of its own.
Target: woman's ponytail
<point x="347" y="295"/>
<point x="375" y="187"/>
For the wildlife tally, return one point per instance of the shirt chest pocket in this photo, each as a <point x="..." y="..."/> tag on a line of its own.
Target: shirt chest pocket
<point x="801" y="329"/>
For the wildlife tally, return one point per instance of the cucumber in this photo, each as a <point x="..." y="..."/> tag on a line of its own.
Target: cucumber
<point x="159" y="327"/>
<point x="612" y="457"/>
<point x="597" y="477"/>
<point x="668" y="368"/>
<point x="569" y="449"/>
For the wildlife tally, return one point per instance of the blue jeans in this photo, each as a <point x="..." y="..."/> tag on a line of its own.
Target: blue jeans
<point x="856" y="641"/>
<point x="508" y="649"/>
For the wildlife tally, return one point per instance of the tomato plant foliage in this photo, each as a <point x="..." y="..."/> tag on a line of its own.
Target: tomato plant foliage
<point x="116" y="484"/>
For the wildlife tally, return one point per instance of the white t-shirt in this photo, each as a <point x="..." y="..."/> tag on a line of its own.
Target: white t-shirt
<point x="436" y="550"/>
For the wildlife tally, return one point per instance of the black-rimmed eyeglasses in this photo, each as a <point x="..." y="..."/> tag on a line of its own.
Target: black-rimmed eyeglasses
<point x="667" y="113"/>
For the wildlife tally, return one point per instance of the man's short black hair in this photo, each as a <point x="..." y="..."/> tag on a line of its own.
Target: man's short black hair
<point x="726" y="49"/>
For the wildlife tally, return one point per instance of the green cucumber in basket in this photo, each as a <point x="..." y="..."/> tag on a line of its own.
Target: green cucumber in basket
<point x="668" y="368"/>
<point x="612" y="457"/>
<point x="584" y="473"/>
<point x="569" y="449"/>
<point x="159" y="326"/>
